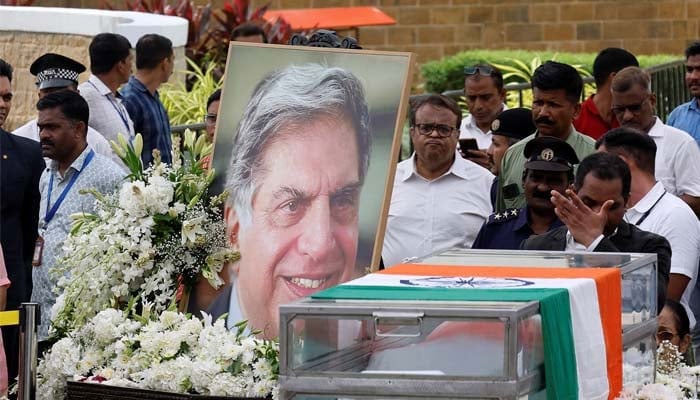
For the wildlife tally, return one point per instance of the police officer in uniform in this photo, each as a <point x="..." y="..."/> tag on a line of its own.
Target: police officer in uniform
<point x="507" y="129"/>
<point x="550" y="166"/>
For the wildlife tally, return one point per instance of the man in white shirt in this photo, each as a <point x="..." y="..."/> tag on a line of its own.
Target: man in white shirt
<point x="655" y="210"/>
<point x="54" y="73"/>
<point x="111" y="65"/>
<point x="485" y="99"/>
<point x="439" y="200"/>
<point x="677" y="154"/>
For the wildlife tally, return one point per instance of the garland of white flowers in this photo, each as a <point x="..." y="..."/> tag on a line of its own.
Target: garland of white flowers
<point x="173" y="353"/>
<point x="145" y="243"/>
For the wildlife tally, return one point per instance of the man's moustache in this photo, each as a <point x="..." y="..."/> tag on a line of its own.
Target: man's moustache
<point x="545" y="121"/>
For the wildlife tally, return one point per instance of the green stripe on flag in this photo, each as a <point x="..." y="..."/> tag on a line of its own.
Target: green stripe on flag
<point x="557" y="331"/>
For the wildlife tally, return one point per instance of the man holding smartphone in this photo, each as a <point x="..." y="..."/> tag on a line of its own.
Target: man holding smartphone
<point x="485" y="98"/>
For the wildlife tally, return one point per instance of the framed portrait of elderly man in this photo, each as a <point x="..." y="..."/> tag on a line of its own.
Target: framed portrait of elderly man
<point x="306" y="145"/>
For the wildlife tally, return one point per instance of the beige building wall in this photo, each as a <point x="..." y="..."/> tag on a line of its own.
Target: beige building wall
<point x="437" y="28"/>
<point x="20" y="49"/>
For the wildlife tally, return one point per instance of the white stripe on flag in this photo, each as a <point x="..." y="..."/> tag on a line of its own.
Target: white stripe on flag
<point x="589" y="342"/>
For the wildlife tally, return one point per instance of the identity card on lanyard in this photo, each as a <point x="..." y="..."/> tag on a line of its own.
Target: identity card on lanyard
<point x="51" y="210"/>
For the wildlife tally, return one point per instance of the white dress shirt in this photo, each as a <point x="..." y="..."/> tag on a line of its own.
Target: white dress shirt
<point x="95" y="140"/>
<point x="469" y="130"/>
<point x="677" y="159"/>
<point x="573" y="245"/>
<point x="427" y="216"/>
<point x="107" y="113"/>
<point x="672" y="218"/>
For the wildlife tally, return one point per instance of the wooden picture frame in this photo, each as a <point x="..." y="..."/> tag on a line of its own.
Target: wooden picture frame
<point x="255" y="76"/>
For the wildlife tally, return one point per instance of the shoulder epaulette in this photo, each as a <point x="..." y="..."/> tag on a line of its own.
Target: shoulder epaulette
<point x="504" y="216"/>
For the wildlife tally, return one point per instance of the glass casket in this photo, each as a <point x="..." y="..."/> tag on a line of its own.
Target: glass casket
<point x="410" y="349"/>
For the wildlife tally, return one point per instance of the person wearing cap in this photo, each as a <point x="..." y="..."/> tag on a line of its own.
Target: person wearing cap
<point x="549" y="167"/>
<point x="154" y="65"/>
<point x="110" y="66"/>
<point x="54" y="73"/>
<point x="507" y="129"/>
<point x="556" y="92"/>
<point x="485" y="98"/>
<point x="654" y="209"/>
<point x="75" y="167"/>
<point x="593" y="215"/>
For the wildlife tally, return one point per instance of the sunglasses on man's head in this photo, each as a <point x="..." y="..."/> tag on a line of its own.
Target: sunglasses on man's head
<point x="481" y="70"/>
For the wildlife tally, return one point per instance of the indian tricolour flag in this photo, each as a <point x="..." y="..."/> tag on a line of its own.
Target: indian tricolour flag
<point x="580" y="308"/>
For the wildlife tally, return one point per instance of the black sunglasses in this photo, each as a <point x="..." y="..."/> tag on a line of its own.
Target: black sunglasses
<point x="481" y="70"/>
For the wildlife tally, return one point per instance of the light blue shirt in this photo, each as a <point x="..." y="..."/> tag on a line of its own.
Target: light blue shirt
<point x="686" y="117"/>
<point x="101" y="174"/>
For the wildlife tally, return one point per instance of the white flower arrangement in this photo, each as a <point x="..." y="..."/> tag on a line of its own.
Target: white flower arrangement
<point x="674" y="379"/>
<point x="173" y="352"/>
<point x="145" y="243"/>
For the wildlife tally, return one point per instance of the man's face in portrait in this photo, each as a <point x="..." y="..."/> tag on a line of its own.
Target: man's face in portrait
<point x="303" y="232"/>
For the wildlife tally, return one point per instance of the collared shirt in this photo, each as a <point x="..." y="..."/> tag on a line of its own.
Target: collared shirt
<point x="150" y="120"/>
<point x="510" y="193"/>
<point x="107" y="113"/>
<point x="573" y="245"/>
<point x="677" y="159"/>
<point x="590" y="122"/>
<point x="426" y="216"/>
<point x="95" y="140"/>
<point x="672" y="218"/>
<point x="505" y="231"/>
<point x="686" y="117"/>
<point x="100" y="174"/>
<point x="469" y="130"/>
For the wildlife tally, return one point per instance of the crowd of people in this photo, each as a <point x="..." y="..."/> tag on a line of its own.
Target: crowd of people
<point x="603" y="175"/>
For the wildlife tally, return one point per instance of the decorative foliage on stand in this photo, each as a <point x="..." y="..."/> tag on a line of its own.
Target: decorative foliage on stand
<point x="146" y="243"/>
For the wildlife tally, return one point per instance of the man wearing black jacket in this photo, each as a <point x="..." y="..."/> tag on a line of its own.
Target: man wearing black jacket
<point x="21" y="165"/>
<point x="593" y="217"/>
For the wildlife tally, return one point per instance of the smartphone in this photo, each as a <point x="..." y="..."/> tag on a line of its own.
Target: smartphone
<point x="468" y="144"/>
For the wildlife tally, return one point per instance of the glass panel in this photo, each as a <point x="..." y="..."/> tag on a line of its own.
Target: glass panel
<point x="513" y="258"/>
<point x="530" y="349"/>
<point x="639" y="361"/>
<point x="401" y="344"/>
<point x="638" y="295"/>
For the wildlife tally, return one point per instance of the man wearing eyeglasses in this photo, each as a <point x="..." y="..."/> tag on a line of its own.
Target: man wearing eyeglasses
<point x="439" y="200"/>
<point x="485" y="99"/>
<point x="677" y="156"/>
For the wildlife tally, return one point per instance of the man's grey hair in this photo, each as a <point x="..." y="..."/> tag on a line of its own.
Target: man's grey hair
<point x="294" y="95"/>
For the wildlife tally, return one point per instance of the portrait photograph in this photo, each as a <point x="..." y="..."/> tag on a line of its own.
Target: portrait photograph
<point x="307" y="141"/>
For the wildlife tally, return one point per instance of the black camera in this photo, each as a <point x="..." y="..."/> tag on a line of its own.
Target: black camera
<point x="324" y="38"/>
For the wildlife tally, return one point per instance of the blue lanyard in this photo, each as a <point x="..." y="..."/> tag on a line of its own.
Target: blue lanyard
<point x="121" y="114"/>
<point x="52" y="211"/>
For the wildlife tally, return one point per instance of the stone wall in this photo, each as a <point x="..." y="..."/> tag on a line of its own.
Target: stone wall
<point x="437" y="28"/>
<point x="21" y="49"/>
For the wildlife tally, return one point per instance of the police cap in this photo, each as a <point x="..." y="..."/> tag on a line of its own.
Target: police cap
<point x="546" y="153"/>
<point x="54" y="70"/>
<point x="515" y="123"/>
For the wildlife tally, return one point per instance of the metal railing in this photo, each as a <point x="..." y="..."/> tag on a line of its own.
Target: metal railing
<point x="27" y="317"/>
